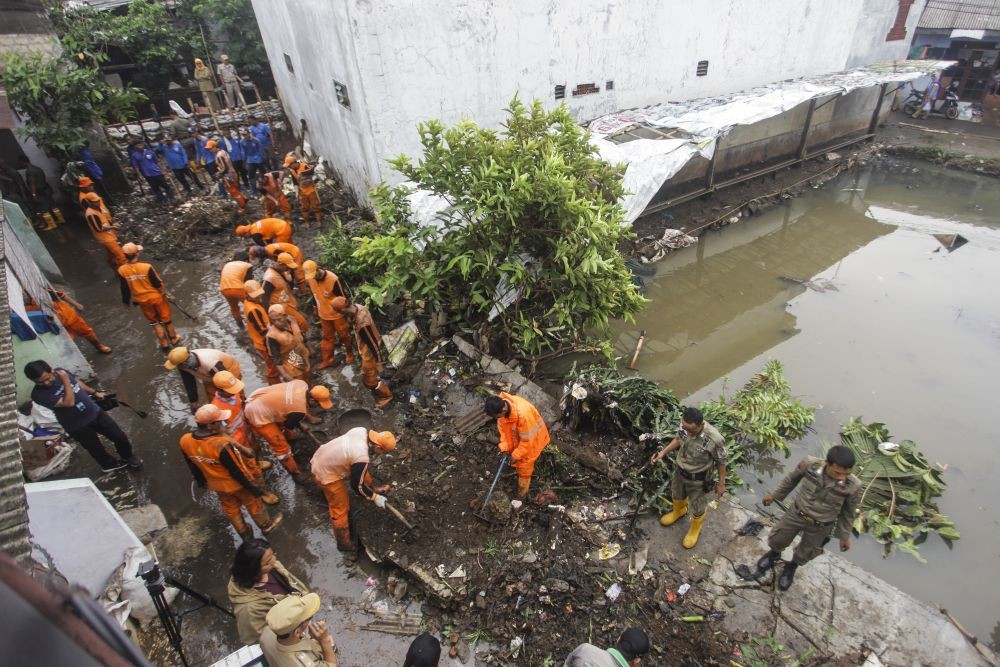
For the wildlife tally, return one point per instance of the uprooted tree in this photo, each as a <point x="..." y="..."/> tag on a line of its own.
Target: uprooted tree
<point x="524" y="248"/>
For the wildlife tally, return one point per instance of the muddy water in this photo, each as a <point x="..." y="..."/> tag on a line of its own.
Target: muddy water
<point x="893" y="328"/>
<point x="201" y="546"/>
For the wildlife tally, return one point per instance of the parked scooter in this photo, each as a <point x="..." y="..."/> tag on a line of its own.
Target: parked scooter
<point x="948" y="107"/>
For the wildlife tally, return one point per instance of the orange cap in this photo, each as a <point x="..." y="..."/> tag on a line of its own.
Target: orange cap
<point x="227" y="382"/>
<point x="309" y="268"/>
<point x="276" y="310"/>
<point x="287" y="260"/>
<point x="209" y="414"/>
<point x="338" y="303"/>
<point x="384" y="440"/>
<point x="253" y="288"/>
<point x="84" y="182"/>
<point x="289" y="160"/>
<point x="131" y="248"/>
<point x="322" y="396"/>
<point x="243" y="230"/>
<point x="210" y="144"/>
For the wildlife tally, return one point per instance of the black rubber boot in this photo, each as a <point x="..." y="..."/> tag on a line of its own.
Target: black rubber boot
<point x="787" y="575"/>
<point x="766" y="562"/>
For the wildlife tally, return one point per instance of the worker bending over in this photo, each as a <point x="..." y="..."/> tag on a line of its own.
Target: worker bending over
<point x="227" y="174"/>
<point x="200" y="365"/>
<point x="234" y="273"/>
<point x="276" y="411"/>
<point x="66" y="308"/>
<point x="325" y="287"/>
<point x="257" y="326"/>
<point x="228" y="397"/>
<point x="348" y="458"/>
<point x="142" y="286"/>
<point x="369" y="342"/>
<point x="523" y="434"/>
<point x="272" y="251"/>
<point x="267" y="230"/>
<point x="286" y="346"/>
<point x="272" y="198"/>
<point x="277" y="283"/>
<point x="303" y="174"/>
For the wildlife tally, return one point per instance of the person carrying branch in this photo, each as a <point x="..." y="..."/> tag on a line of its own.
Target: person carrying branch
<point x="700" y="450"/>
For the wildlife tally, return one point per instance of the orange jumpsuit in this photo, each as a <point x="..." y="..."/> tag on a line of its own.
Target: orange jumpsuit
<point x="331" y="468"/>
<point x="281" y="293"/>
<point x="99" y="224"/>
<point x="308" y="197"/>
<point x="333" y="321"/>
<point x="369" y="342"/>
<point x="210" y="362"/>
<point x="269" y="411"/>
<point x="236" y="427"/>
<point x="275" y="249"/>
<point x="216" y="462"/>
<point x="523" y="435"/>
<point x="231" y="280"/>
<point x="271" y="230"/>
<point x="257" y="325"/>
<point x="273" y="199"/>
<point x="72" y="320"/>
<point x="230" y="179"/>
<point x="289" y="351"/>
<point x="141" y="284"/>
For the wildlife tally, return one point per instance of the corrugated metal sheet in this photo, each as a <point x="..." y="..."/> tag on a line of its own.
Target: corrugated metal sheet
<point x="13" y="506"/>
<point x="963" y="14"/>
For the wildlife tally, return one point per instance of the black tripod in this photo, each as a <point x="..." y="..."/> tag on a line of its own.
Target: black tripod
<point x="156" y="584"/>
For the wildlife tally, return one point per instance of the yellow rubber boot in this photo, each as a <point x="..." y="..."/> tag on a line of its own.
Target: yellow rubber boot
<point x="694" y="531"/>
<point x="680" y="509"/>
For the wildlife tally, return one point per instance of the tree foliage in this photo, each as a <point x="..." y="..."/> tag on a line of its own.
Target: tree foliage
<point x="59" y="100"/>
<point x="233" y="24"/>
<point x="532" y="221"/>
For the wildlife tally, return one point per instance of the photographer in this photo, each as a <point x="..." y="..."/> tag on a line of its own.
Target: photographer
<point x="73" y="403"/>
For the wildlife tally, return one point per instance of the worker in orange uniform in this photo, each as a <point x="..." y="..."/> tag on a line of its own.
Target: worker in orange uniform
<point x="103" y="228"/>
<point x="272" y="198"/>
<point x="228" y="396"/>
<point x="66" y="308"/>
<point x="287" y="347"/>
<point x="142" y="286"/>
<point x="326" y="286"/>
<point x="257" y="326"/>
<point x="234" y="273"/>
<point x="369" y="342"/>
<point x="303" y="175"/>
<point x="200" y="366"/>
<point x="523" y="434"/>
<point x="273" y="250"/>
<point x="348" y="458"/>
<point x="277" y="283"/>
<point x="217" y="463"/>
<point x="267" y="230"/>
<point x="226" y="172"/>
<point x="86" y="187"/>
<point x="275" y="412"/>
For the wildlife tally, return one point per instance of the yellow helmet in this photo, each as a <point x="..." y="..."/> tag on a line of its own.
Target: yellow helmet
<point x="176" y="357"/>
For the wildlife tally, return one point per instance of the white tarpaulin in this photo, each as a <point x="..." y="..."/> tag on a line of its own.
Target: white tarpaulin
<point x="651" y="162"/>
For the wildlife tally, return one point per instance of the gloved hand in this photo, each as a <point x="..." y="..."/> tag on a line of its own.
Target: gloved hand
<point x="379" y="500"/>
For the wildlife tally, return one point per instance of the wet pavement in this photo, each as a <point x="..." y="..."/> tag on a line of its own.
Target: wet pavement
<point x="200" y="547"/>
<point x="891" y="327"/>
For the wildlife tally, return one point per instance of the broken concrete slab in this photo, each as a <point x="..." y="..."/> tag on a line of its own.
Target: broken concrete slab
<point x="146" y="522"/>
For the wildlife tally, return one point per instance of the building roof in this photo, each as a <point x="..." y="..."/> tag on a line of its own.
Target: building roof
<point x="961" y="14"/>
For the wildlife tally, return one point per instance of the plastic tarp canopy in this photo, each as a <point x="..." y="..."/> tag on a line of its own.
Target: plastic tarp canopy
<point x="652" y="162"/>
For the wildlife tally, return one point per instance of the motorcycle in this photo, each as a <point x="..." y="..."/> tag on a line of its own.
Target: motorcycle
<point x="948" y="106"/>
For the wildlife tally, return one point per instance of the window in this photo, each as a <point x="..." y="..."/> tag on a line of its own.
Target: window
<point x="560" y="92"/>
<point x="609" y="85"/>
<point x="288" y="64"/>
<point x="342" y="96"/>
<point x="898" y="30"/>
<point x="702" y="68"/>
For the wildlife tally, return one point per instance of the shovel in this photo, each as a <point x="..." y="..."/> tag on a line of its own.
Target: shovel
<point x="399" y="515"/>
<point x="503" y="464"/>
<point x="186" y="314"/>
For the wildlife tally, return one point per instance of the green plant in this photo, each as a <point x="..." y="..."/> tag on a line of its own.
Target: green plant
<point x="61" y="100"/>
<point x="478" y="636"/>
<point x="767" y="652"/>
<point x="526" y="250"/>
<point x="491" y="548"/>
<point x="337" y="245"/>
<point x="233" y="25"/>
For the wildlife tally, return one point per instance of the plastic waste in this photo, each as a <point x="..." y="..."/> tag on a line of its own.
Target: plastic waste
<point x="609" y="550"/>
<point x="614" y="590"/>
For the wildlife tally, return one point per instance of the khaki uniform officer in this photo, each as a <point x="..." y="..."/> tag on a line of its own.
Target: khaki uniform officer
<point x="825" y="504"/>
<point x="291" y="639"/>
<point x="700" y="449"/>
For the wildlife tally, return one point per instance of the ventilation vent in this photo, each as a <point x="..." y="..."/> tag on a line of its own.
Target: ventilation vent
<point x="288" y="63"/>
<point x="342" y="96"/>
<point x="609" y="85"/>
<point x="585" y="89"/>
<point x="560" y="92"/>
<point x="702" y="68"/>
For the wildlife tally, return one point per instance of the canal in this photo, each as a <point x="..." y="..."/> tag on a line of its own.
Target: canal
<point x="890" y="326"/>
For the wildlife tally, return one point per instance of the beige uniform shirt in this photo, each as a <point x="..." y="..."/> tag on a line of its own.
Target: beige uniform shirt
<point x="698" y="453"/>
<point x="820" y="498"/>
<point x="305" y="653"/>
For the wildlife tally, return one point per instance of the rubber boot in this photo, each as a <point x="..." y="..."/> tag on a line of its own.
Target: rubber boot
<point x="694" y="531"/>
<point x="269" y="522"/>
<point x="766" y="562"/>
<point x="57" y="214"/>
<point x="101" y="347"/>
<point x="161" y="335"/>
<point x="326" y="348"/>
<point x="787" y="575"/>
<point x="349" y="357"/>
<point x="48" y="222"/>
<point x="241" y="527"/>
<point x="383" y="393"/>
<point x="174" y="336"/>
<point x="344" y="541"/>
<point x="522" y="486"/>
<point x="680" y="509"/>
<point x="289" y="464"/>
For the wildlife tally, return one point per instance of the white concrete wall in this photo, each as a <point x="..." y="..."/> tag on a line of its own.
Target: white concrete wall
<point x="319" y="36"/>
<point x="449" y="59"/>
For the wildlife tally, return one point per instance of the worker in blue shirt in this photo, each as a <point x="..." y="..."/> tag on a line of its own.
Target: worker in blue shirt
<point x="253" y="153"/>
<point x="263" y="134"/>
<point x="177" y="159"/>
<point x="145" y="162"/>
<point x="231" y="145"/>
<point x="94" y="171"/>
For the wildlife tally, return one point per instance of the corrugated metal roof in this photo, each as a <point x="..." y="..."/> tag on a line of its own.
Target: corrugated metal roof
<point x="963" y="14"/>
